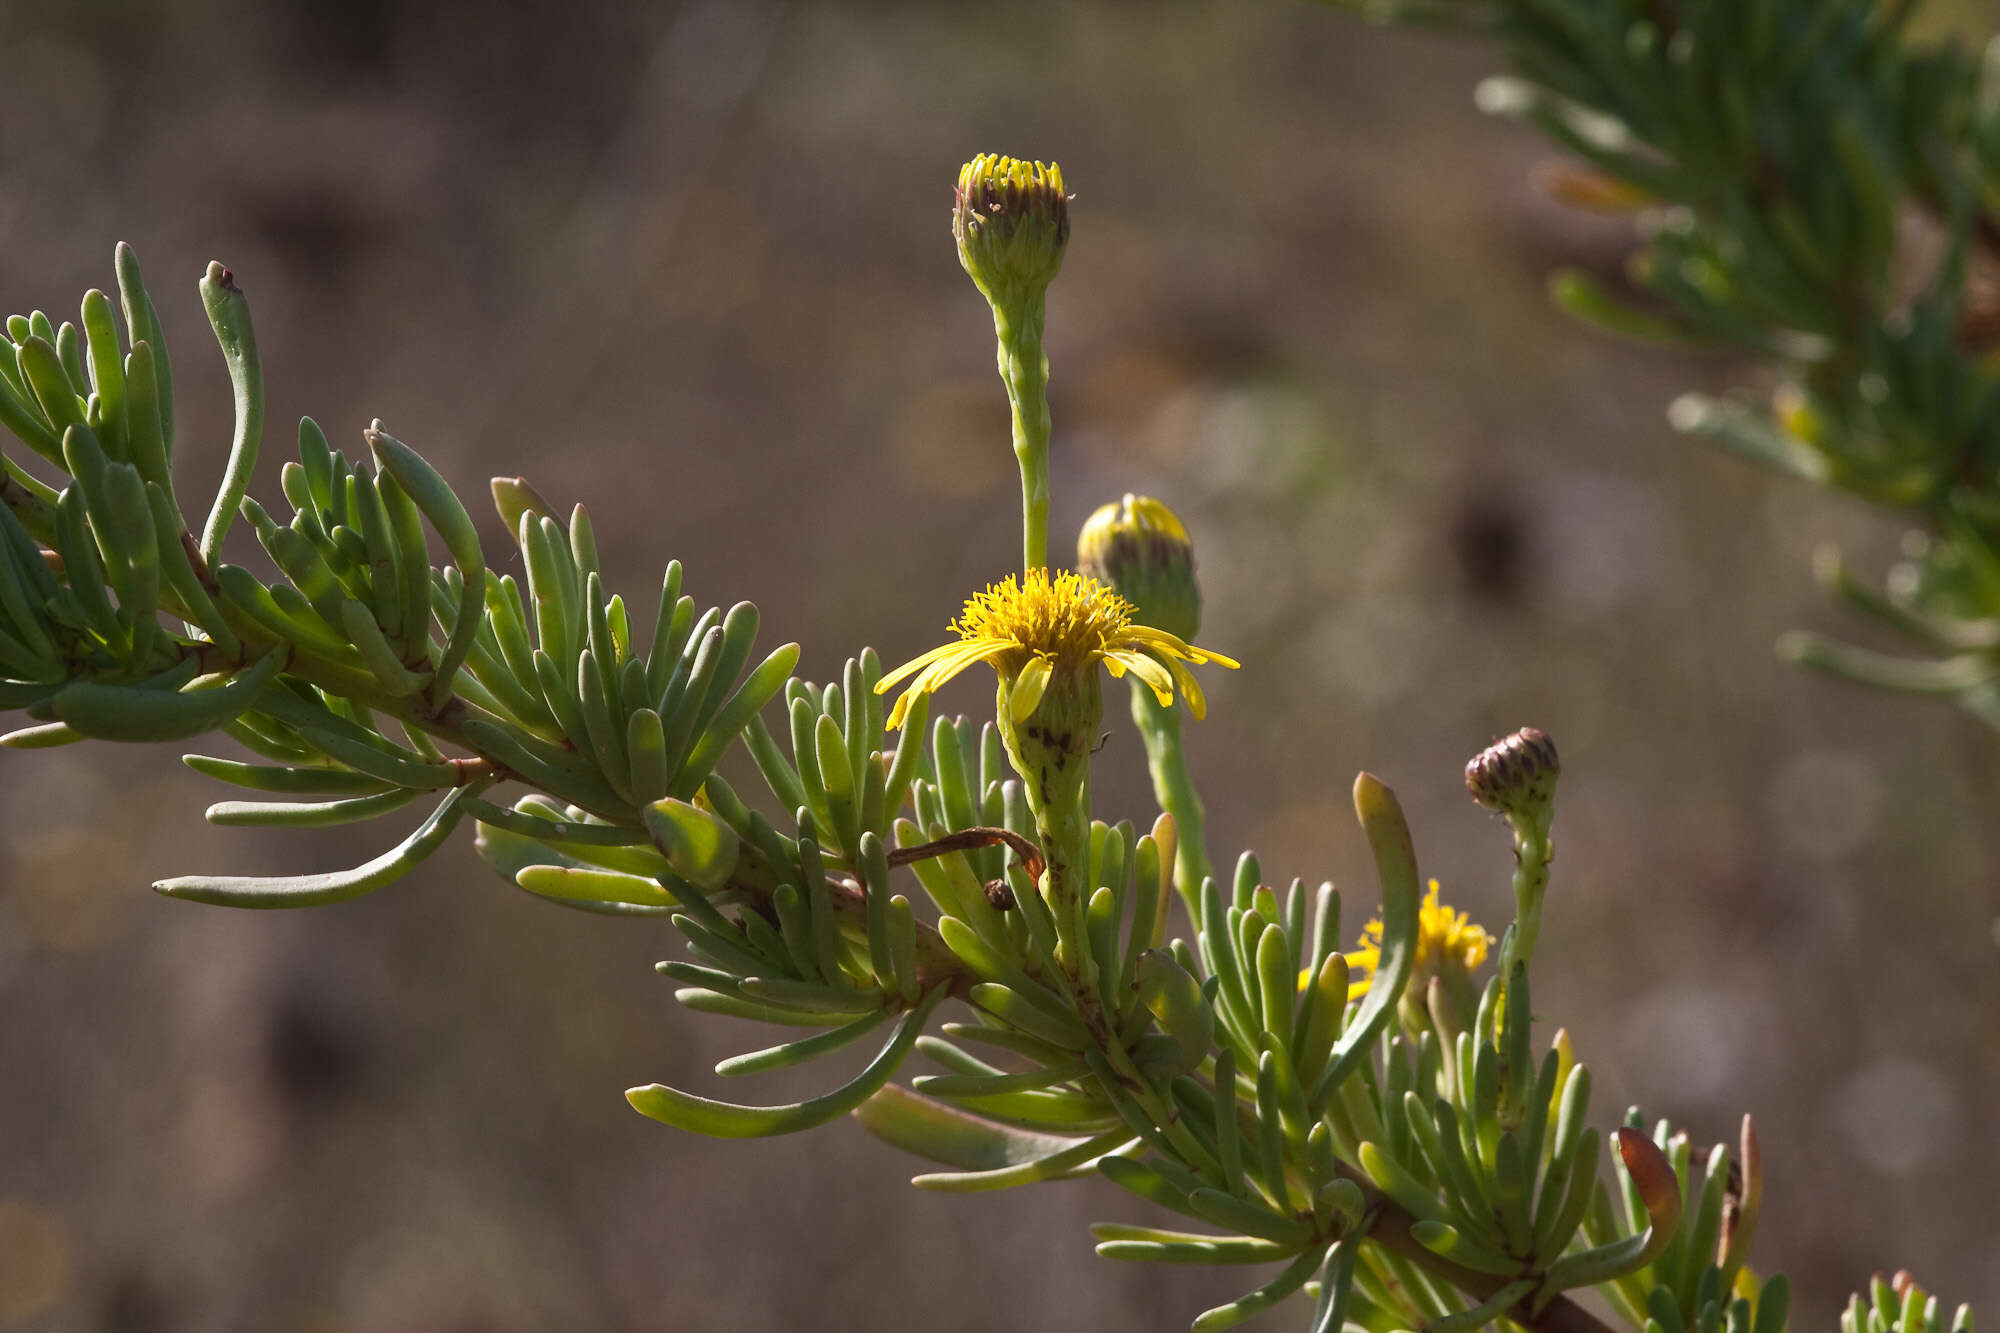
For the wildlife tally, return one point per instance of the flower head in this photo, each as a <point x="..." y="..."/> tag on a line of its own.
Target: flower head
<point x="1053" y="628"/>
<point x="1446" y="940"/>
<point x="1516" y="774"/>
<point x="1011" y="219"/>
<point x="1138" y="546"/>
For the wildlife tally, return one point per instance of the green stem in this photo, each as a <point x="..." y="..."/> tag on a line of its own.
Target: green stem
<point x="1065" y="835"/>
<point x="1160" y="727"/>
<point x="1532" y="854"/>
<point x="1024" y="369"/>
<point x="1050" y="750"/>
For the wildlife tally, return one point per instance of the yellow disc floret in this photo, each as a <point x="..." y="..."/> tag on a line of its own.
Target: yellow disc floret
<point x="1011" y="219"/>
<point x="1047" y="627"/>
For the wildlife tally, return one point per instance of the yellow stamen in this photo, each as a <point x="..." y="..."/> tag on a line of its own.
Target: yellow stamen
<point x="1046" y="626"/>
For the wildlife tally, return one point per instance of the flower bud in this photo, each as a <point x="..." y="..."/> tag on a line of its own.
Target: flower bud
<point x="1517" y="775"/>
<point x="1139" y="547"/>
<point x="1011" y="219"/>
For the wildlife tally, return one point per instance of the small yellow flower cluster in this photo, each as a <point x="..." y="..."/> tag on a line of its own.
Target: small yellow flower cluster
<point x="1444" y="938"/>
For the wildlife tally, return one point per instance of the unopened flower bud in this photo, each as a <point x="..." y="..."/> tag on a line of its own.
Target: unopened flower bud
<point x="1011" y="219"/>
<point x="1139" y="547"/>
<point x="1516" y="775"/>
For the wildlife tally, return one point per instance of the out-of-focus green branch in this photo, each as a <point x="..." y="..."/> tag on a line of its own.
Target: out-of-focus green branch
<point x="1818" y="188"/>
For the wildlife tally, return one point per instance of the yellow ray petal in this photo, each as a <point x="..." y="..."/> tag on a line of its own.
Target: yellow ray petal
<point x="1190" y="689"/>
<point x="1147" y="669"/>
<point x="914" y="665"/>
<point x="1028" y="688"/>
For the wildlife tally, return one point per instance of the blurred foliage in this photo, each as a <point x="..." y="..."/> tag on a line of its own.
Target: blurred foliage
<point x="1821" y="188"/>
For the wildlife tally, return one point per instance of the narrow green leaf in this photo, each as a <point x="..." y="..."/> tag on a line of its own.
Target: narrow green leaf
<point x="48" y="736"/>
<point x="133" y="713"/>
<point x="42" y="369"/>
<point x="21" y="413"/>
<point x="758" y="688"/>
<point x="592" y="884"/>
<point x="1447" y="1241"/>
<point x="699" y="846"/>
<point x="303" y="781"/>
<point x="1277" y="1289"/>
<point x="229" y="315"/>
<point x="1249" y="1218"/>
<point x="1396" y="867"/>
<point x="441" y="505"/>
<point x="142" y="325"/>
<point x="1077" y="1159"/>
<point x="1194" y="1250"/>
<point x="106" y="366"/>
<point x="725" y="1120"/>
<point x="333" y="886"/>
<point x="308" y="814"/>
<point x="952" y="1135"/>
<point x="366" y="635"/>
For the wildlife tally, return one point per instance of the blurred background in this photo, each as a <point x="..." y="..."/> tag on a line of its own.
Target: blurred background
<point x="690" y="264"/>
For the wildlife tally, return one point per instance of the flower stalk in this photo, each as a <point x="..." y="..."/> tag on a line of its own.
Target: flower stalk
<point x="1024" y="369"/>
<point x="1516" y="776"/>
<point x="1159" y="728"/>
<point x="1140" y="547"/>
<point x="1011" y="221"/>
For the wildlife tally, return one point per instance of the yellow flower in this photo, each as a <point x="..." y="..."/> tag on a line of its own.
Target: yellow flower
<point x="1443" y="937"/>
<point x="1053" y="626"/>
